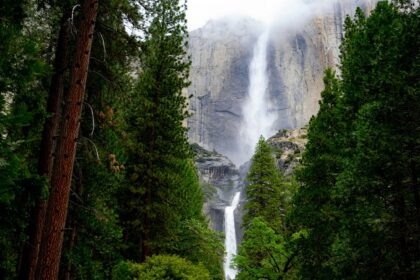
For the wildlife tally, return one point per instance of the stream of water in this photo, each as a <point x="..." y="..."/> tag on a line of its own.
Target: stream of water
<point x="257" y="118"/>
<point x="257" y="121"/>
<point x="230" y="237"/>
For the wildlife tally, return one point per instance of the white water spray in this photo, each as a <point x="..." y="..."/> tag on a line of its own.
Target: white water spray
<point x="230" y="237"/>
<point x="257" y="118"/>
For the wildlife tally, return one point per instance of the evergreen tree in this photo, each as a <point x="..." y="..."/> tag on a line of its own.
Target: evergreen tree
<point x="262" y="254"/>
<point x="56" y="212"/>
<point x="379" y="186"/>
<point x="163" y="202"/>
<point x="314" y="210"/>
<point x="22" y="95"/>
<point x="357" y="209"/>
<point x="93" y="241"/>
<point x="265" y="189"/>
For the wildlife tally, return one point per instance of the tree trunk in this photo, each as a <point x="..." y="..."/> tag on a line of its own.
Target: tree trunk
<point x="31" y="250"/>
<point x="401" y="230"/>
<point x="52" y="239"/>
<point x="72" y="224"/>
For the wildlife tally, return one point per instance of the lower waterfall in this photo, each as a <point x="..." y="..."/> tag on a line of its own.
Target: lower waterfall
<point x="230" y="237"/>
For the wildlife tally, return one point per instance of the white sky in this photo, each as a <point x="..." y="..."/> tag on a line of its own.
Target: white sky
<point x="200" y="11"/>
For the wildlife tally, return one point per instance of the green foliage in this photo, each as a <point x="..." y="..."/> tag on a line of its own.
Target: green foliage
<point x="358" y="205"/>
<point x="313" y="208"/>
<point x="21" y="112"/>
<point x="262" y="254"/>
<point x="265" y="189"/>
<point x="200" y="244"/>
<point x="94" y="240"/>
<point x="162" y="204"/>
<point x="161" y="267"/>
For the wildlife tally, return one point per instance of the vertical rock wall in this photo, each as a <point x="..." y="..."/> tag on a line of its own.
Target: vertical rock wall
<point x="221" y="52"/>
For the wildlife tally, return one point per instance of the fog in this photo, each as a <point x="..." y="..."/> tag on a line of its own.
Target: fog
<point x="284" y="18"/>
<point x="279" y="12"/>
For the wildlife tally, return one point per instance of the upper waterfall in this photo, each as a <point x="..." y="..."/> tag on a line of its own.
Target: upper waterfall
<point x="257" y="118"/>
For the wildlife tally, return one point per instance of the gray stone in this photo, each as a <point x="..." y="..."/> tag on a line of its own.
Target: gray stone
<point x="221" y="52"/>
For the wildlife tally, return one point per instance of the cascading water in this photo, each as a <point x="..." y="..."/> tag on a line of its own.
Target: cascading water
<point x="230" y="237"/>
<point x="257" y="118"/>
<point x="257" y="121"/>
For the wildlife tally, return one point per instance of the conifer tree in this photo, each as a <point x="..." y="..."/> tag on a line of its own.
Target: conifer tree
<point x="356" y="212"/>
<point x="93" y="241"/>
<point x="262" y="254"/>
<point x="22" y="97"/>
<point x="159" y="148"/>
<point x="265" y="189"/>
<point x="56" y="213"/>
<point x="162" y="204"/>
<point x="313" y="206"/>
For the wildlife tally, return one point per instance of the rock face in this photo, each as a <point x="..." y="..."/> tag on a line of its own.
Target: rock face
<point x="219" y="179"/>
<point x="221" y="52"/>
<point x="288" y="147"/>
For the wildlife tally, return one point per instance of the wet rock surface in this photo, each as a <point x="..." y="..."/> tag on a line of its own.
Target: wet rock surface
<point x="219" y="179"/>
<point x="221" y="52"/>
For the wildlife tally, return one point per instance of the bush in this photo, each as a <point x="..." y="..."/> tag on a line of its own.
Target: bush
<point x="161" y="267"/>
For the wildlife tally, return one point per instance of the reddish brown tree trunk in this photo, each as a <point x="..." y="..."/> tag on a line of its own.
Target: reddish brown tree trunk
<point x="31" y="250"/>
<point x="52" y="239"/>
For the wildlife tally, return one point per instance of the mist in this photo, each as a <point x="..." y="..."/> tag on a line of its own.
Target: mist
<point x="271" y="12"/>
<point x="271" y="22"/>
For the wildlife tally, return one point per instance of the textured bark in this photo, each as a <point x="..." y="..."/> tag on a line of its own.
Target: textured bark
<point x="52" y="239"/>
<point x="55" y="98"/>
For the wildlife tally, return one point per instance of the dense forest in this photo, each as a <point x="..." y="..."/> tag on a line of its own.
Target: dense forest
<point x="354" y="208"/>
<point x="97" y="178"/>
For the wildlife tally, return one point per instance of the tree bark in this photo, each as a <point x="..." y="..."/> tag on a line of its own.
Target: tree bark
<point x="55" y="98"/>
<point x="52" y="239"/>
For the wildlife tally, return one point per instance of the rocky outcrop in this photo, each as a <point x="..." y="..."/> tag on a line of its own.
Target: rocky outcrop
<point x="221" y="52"/>
<point x="288" y="147"/>
<point x="219" y="179"/>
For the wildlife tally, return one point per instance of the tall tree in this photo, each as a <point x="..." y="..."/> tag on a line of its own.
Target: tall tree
<point x="50" y="250"/>
<point x="357" y="208"/>
<point x="313" y="210"/>
<point x="265" y="189"/>
<point x="379" y="62"/>
<point x="45" y="163"/>
<point x="163" y="181"/>
<point x="21" y="111"/>
<point x="93" y="239"/>
<point x="158" y="109"/>
<point x="262" y="254"/>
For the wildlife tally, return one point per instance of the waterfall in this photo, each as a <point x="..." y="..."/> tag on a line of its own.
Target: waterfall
<point x="257" y="118"/>
<point x="230" y="237"/>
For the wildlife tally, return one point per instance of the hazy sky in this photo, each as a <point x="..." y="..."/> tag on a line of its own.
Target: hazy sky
<point x="200" y="11"/>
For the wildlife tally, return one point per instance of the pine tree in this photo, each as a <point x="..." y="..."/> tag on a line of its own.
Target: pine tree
<point x="56" y="213"/>
<point x="22" y="97"/>
<point x="378" y="185"/>
<point x="262" y="254"/>
<point x="93" y="241"/>
<point x="356" y="212"/>
<point x="314" y="209"/>
<point x="265" y="189"/>
<point x="162" y="204"/>
<point x="159" y="145"/>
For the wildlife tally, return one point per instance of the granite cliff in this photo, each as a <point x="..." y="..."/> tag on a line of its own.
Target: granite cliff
<point x="221" y="52"/>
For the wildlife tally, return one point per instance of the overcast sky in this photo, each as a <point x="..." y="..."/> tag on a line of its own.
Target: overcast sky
<point x="200" y="11"/>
